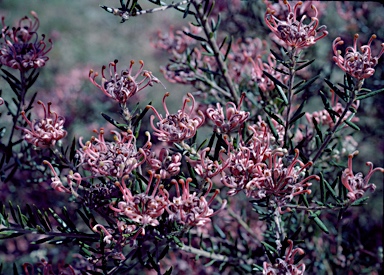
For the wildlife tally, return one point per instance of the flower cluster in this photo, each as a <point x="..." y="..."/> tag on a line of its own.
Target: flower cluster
<point x="262" y="171"/>
<point x="205" y="167"/>
<point x="177" y="127"/>
<point x="358" y="65"/>
<point x="294" y="33"/>
<point x="22" y="49"/>
<point x="287" y="264"/>
<point x="191" y="209"/>
<point x="123" y="86"/>
<point x="44" y="132"/>
<point x="233" y="118"/>
<point x="164" y="164"/>
<point x="117" y="159"/>
<point x="142" y="209"/>
<point x="357" y="185"/>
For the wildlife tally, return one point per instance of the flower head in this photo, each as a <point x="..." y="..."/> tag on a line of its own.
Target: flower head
<point x="142" y="209"/>
<point x="358" y="65"/>
<point x="22" y="49"/>
<point x="286" y="265"/>
<point x="233" y="118"/>
<point x="44" y="132"/>
<point x="191" y="209"/>
<point x="177" y="127"/>
<point x="117" y="159"/>
<point x="123" y="86"/>
<point x="295" y="33"/>
<point x="357" y="185"/>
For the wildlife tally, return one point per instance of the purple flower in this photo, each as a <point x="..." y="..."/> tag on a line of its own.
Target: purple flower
<point x="177" y="127"/>
<point x="358" y="65"/>
<point x="22" y="49"/>
<point x="295" y="33"/>
<point x="123" y="86"/>
<point x="44" y="132"/>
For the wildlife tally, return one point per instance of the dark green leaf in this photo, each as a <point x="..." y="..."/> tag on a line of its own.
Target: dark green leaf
<point x="304" y="65"/>
<point x="360" y="201"/>
<point x="373" y="93"/>
<point x="306" y="84"/>
<point x="198" y="38"/>
<point x="341" y="94"/>
<point x="43" y="240"/>
<point x="274" y="80"/>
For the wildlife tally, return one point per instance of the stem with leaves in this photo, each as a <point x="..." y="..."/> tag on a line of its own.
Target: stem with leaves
<point x="330" y="134"/>
<point x="202" y="18"/>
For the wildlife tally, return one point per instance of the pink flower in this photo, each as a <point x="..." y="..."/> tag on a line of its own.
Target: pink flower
<point x="191" y="209"/>
<point x="44" y="132"/>
<point x="287" y="264"/>
<point x="22" y="49"/>
<point x="123" y="86"/>
<point x="177" y="127"/>
<point x="233" y="116"/>
<point x="143" y="209"/>
<point x="358" y="65"/>
<point x="207" y="168"/>
<point x="117" y="159"/>
<point x="356" y="184"/>
<point x="165" y="164"/>
<point x="293" y="32"/>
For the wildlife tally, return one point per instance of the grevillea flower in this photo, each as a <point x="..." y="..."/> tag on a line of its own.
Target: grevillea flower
<point x="123" y="86"/>
<point x="357" y="185"/>
<point x="177" y="127"/>
<point x="165" y="164"/>
<point x="22" y="49"/>
<point x="287" y="264"/>
<point x="233" y="118"/>
<point x="47" y="269"/>
<point x="44" y="132"/>
<point x="142" y="209"/>
<point x="191" y="209"/>
<point x="205" y="167"/>
<point x="358" y="65"/>
<point x="295" y="33"/>
<point x="117" y="159"/>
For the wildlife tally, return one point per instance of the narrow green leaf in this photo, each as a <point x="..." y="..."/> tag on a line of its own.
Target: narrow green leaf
<point x="282" y="95"/>
<point x="269" y="247"/>
<point x="198" y="38"/>
<point x="228" y="49"/>
<point x="352" y="125"/>
<point x="320" y="224"/>
<point x="360" y="201"/>
<point x="322" y="189"/>
<point x="164" y="252"/>
<point x="304" y="65"/>
<point x="210" y="263"/>
<point x="13" y="212"/>
<point x="298" y="114"/>
<point x="340" y="94"/>
<point x="317" y="128"/>
<point x="120" y="126"/>
<point x="272" y="128"/>
<point x="373" y="93"/>
<point x="43" y="240"/>
<point x="306" y="84"/>
<point x="274" y="80"/>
